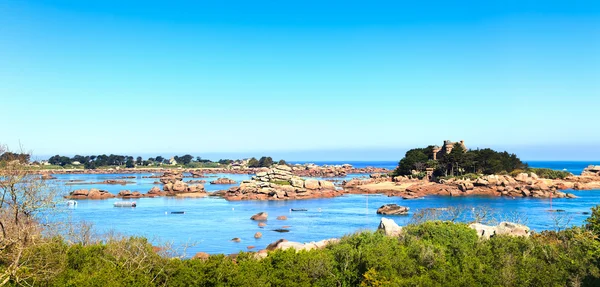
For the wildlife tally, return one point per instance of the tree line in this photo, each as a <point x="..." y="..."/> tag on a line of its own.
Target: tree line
<point x="459" y="162"/>
<point x="93" y="161"/>
<point x="265" y="161"/>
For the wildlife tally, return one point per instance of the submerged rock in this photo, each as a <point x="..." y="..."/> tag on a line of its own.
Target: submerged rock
<point x="392" y="209"/>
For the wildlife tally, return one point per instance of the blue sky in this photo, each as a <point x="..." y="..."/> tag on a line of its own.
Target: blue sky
<point x="307" y="79"/>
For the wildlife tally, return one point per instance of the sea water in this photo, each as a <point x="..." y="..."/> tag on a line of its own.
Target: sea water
<point x="209" y="223"/>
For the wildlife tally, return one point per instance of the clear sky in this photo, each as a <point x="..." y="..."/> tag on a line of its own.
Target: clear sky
<point x="311" y="79"/>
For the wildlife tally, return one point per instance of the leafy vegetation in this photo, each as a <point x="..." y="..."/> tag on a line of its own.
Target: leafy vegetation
<point x="265" y="161"/>
<point x="458" y="162"/>
<point x="433" y="253"/>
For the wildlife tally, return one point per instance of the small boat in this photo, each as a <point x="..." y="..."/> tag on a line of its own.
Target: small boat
<point x="298" y="209"/>
<point x="71" y="203"/>
<point x="125" y="204"/>
<point x="177" y="212"/>
<point x="281" y="230"/>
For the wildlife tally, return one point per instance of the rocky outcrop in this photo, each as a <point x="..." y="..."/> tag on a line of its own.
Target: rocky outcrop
<point x="129" y="194"/>
<point x="279" y="183"/>
<point x="223" y="180"/>
<point x="197" y="173"/>
<point x="283" y="244"/>
<point x="392" y="209"/>
<point x="155" y="191"/>
<point x="90" y="194"/>
<point x="171" y="177"/>
<point x="504" y="228"/>
<point x="389" y="227"/>
<point x="592" y="170"/>
<point x="312" y="170"/>
<point x="178" y="187"/>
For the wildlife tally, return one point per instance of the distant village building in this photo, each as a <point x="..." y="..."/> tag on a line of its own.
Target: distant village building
<point x="172" y="161"/>
<point x="75" y="163"/>
<point x="438" y="152"/>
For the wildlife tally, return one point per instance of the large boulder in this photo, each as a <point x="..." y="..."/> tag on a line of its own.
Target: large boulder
<point x="483" y="231"/>
<point x="297" y="182"/>
<point x="179" y="186"/>
<point x="389" y="227"/>
<point x="512" y="229"/>
<point x="392" y="209"/>
<point x="311" y="184"/>
<point x="504" y="228"/>
<point x="325" y="184"/>
<point x="261" y="216"/>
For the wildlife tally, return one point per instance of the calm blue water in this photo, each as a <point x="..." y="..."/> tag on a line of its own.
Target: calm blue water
<point x="211" y="223"/>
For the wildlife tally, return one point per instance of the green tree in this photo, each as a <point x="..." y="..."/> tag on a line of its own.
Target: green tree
<point x="129" y="163"/>
<point x="138" y="160"/>
<point x="265" y="161"/>
<point x="593" y="222"/>
<point x="253" y="162"/>
<point x="411" y="158"/>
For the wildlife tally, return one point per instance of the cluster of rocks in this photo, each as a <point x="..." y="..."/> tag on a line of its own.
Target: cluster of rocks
<point x="393" y="209"/>
<point x="390" y="228"/>
<point x="312" y="170"/>
<point x="504" y="228"/>
<point x="90" y="194"/>
<point x="279" y="183"/>
<point x="182" y="187"/>
<point x="171" y="177"/>
<point x="523" y="185"/>
<point x="223" y="180"/>
<point x="130" y="194"/>
<point x="592" y="170"/>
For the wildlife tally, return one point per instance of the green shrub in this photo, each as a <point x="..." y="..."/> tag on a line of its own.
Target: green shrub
<point x="550" y="173"/>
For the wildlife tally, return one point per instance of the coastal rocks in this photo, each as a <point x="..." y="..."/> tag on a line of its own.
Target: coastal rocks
<point x="155" y="191"/>
<point x="483" y="231"/>
<point x="223" y="180"/>
<point x="129" y="194"/>
<point x="389" y="227"/>
<point x="257" y="235"/>
<point x="261" y="216"/>
<point x="171" y="177"/>
<point x="262" y="224"/>
<point x="90" y="194"/>
<point x="312" y="170"/>
<point x="283" y="244"/>
<point x="236" y="239"/>
<point x="592" y="170"/>
<point x="278" y="183"/>
<point x="178" y="187"/>
<point x="392" y="209"/>
<point x="504" y="228"/>
<point x="282" y="217"/>
<point x="196" y="173"/>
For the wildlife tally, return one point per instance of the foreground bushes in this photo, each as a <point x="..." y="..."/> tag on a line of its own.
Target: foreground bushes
<point x="434" y="253"/>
